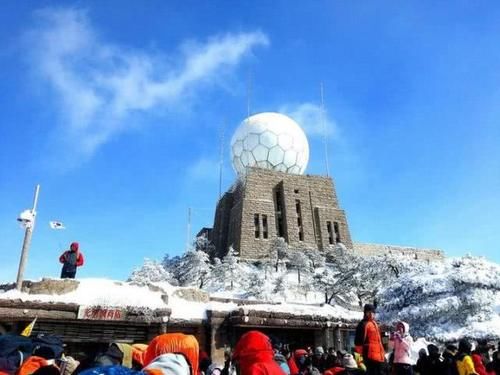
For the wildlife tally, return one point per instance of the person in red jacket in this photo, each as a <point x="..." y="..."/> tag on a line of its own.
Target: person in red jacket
<point x="368" y="342"/>
<point x="71" y="259"/>
<point x="255" y="356"/>
<point x="479" y="365"/>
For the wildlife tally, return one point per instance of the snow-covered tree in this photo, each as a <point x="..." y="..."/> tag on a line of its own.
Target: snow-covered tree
<point x="172" y="266"/>
<point x="202" y="243"/>
<point x="230" y="269"/>
<point x="447" y="300"/>
<point x="150" y="271"/>
<point x="306" y="286"/>
<point x="333" y="283"/>
<point x="194" y="268"/>
<point x="376" y="272"/>
<point x="316" y="259"/>
<point x="299" y="261"/>
<point x="278" y="252"/>
<point x="280" y="285"/>
<point x="256" y="285"/>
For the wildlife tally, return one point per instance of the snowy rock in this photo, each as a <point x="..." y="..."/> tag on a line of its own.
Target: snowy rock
<point x="53" y="286"/>
<point x="192" y="294"/>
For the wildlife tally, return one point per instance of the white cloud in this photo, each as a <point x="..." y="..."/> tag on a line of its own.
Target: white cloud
<point x="309" y="117"/>
<point x="99" y="84"/>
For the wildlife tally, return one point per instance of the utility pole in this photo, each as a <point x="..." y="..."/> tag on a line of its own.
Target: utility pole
<point x="30" y="225"/>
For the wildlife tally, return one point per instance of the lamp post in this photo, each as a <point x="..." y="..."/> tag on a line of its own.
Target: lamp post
<point x="27" y="219"/>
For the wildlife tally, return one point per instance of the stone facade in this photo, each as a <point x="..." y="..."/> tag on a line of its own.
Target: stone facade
<point x="370" y="249"/>
<point x="266" y="204"/>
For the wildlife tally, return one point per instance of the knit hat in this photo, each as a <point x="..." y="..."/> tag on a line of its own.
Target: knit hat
<point x="349" y="362"/>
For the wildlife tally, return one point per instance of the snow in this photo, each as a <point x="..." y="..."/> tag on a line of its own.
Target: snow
<point x="448" y="300"/>
<point x="98" y="292"/>
<point x="110" y="293"/>
<point x="325" y="310"/>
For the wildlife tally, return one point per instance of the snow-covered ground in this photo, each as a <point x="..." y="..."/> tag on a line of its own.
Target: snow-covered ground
<point x="110" y="293"/>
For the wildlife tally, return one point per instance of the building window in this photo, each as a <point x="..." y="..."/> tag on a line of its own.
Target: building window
<point x="256" y="225"/>
<point x="330" y="232"/>
<point x="264" y="227"/>
<point x="279" y="215"/>
<point x="299" y="220"/>
<point x="337" y="232"/>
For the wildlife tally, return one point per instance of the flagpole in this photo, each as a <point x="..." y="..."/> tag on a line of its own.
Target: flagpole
<point x="27" y="241"/>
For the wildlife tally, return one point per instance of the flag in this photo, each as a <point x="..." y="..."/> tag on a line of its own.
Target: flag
<point x="27" y="331"/>
<point x="56" y="225"/>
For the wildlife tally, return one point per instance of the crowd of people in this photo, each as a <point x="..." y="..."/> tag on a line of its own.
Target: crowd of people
<point x="254" y="354"/>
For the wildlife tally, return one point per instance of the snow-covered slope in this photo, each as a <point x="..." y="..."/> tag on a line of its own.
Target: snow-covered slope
<point x="456" y="298"/>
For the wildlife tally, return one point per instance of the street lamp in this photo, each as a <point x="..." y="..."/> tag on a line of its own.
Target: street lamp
<point x="27" y="220"/>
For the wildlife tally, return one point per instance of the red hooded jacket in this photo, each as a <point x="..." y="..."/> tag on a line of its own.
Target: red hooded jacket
<point x="255" y="355"/>
<point x="79" y="256"/>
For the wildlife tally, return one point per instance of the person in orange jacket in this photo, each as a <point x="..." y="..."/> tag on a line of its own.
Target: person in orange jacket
<point x="71" y="259"/>
<point x="368" y="342"/>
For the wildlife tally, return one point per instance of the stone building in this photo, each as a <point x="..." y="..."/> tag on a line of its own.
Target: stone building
<point x="266" y="204"/>
<point x="272" y="198"/>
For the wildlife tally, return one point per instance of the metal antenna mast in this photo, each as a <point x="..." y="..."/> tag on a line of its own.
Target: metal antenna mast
<point x="323" y="123"/>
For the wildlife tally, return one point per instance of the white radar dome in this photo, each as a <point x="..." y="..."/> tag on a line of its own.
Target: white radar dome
<point x="272" y="141"/>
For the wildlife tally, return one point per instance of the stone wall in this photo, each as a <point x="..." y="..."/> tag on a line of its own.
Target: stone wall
<point x="370" y="249"/>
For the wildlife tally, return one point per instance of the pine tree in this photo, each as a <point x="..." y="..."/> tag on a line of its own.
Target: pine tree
<point x="150" y="271"/>
<point x="316" y="259"/>
<point x="230" y="269"/>
<point x="194" y="268"/>
<point x="202" y="243"/>
<point x="299" y="261"/>
<point x="280" y="285"/>
<point x="172" y="266"/>
<point x="278" y="252"/>
<point x="256" y="285"/>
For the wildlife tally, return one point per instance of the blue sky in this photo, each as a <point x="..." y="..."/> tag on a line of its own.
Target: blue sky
<point x="115" y="108"/>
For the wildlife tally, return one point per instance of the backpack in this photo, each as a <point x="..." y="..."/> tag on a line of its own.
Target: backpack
<point x="14" y="350"/>
<point x="48" y="346"/>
